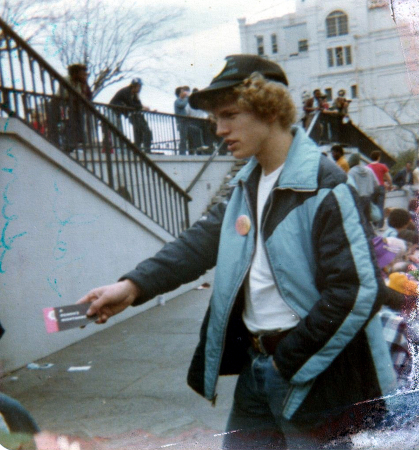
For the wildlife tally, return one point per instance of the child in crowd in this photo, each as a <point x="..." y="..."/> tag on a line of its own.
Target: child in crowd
<point x="400" y="225"/>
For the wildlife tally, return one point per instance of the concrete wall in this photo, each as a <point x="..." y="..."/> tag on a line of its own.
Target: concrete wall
<point x="182" y="170"/>
<point x="63" y="233"/>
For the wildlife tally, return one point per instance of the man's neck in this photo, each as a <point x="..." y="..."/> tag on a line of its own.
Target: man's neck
<point x="276" y="150"/>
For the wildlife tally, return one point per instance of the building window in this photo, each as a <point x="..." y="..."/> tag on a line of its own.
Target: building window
<point x="354" y="91"/>
<point x="348" y="55"/>
<point x="330" y="59"/>
<point x="329" y="94"/>
<point x="339" y="56"/>
<point x="336" y="24"/>
<point x="303" y="45"/>
<point x="259" y="45"/>
<point x="274" y="43"/>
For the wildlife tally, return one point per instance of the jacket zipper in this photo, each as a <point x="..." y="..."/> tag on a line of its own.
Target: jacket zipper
<point x="264" y="244"/>
<point x="263" y="226"/>
<point x="214" y="398"/>
<point x="265" y="218"/>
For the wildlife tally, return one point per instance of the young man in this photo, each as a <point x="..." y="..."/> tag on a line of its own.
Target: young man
<point x="292" y="311"/>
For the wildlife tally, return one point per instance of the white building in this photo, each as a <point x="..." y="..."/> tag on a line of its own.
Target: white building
<point x="337" y="44"/>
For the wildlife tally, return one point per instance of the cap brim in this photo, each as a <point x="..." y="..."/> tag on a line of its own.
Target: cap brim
<point x="196" y="99"/>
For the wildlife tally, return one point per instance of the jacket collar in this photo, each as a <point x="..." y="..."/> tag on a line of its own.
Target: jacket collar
<point x="301" y="167"/>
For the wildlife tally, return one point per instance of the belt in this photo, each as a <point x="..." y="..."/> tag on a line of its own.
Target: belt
<point x="266" y="343"/>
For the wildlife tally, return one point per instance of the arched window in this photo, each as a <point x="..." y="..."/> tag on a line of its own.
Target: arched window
<point x="336" y="24"/>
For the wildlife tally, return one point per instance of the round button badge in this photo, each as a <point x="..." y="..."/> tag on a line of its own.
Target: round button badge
<point x="243" y="225"/>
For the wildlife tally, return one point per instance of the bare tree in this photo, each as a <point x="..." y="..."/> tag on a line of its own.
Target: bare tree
<point x="28" y="18"/>
<point x="115" y="43"/>
<point x="403" y="113"/>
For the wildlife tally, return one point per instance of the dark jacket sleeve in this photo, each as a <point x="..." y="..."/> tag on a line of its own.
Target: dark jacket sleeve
<point x="399" y="178"/>
<point x="349" y="283"/>
<point x="180" y="261"/>
<point x="124" y="97"/>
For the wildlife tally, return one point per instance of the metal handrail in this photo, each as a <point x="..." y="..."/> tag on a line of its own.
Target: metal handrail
<point x="204" y="167"/>
<point x="313" y="123"/>
<point x="328" y="128"/>
<point x="35" y="93"/>
<point x="164" y="127"/>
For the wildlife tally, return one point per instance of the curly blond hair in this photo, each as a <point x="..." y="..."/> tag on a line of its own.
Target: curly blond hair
<point x="266" y="99"/>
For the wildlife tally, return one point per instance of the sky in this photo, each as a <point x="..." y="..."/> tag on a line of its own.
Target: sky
<point x="212" y="33"/>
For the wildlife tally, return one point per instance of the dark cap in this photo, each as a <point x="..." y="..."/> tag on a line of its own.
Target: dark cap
<point x="137" y="81"/>
<point x="236" y="70"/>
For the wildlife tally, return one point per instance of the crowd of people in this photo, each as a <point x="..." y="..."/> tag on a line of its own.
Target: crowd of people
<point x="195" y="137"/>
<point x="66" y="123"/>
<point x="319" y="103"/>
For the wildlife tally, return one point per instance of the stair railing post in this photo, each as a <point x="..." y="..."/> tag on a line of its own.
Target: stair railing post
<point x="107" y="147"/>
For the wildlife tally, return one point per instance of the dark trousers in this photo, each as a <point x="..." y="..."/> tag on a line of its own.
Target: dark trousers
<point x="142" y="132"/>
<point x="379" y="197"/>
<point x="256" y="421"/>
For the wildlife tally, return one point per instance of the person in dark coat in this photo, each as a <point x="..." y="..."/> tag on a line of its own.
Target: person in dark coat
<point x="404" y="177"/>
<point x="404" y="180"/>
<point x="76" y="125"/>
<point x="128" y="97"/>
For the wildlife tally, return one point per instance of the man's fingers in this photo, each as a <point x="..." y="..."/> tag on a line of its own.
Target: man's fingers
<point x="89" y="297"/>
<point x="102" y="319"/>
<point x="98" y="306"/>
<point x="106" y="301"/>
<point x="93" y="297"/>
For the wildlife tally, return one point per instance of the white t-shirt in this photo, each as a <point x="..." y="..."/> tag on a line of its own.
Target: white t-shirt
<point x="265" y="309"/>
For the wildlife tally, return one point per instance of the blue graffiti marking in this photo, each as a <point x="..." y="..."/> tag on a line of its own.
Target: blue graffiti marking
<point x="63" y="220"/>
<point x="6" y="242"/>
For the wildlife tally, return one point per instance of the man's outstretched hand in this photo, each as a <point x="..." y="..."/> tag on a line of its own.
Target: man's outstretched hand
<point x="106" y="301"/>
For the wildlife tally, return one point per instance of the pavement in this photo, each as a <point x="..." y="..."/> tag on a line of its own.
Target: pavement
<point x="133" y="392"/>
<point x="134" y="396"/>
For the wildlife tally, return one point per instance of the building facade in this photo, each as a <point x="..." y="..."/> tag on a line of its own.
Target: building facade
<point x="355" y="46"/>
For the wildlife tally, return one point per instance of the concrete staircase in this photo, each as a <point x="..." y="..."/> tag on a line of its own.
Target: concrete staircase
<point x="224" y="190"/>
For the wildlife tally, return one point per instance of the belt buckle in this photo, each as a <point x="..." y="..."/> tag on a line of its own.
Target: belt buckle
<point x="258" y="340"/>
<point x="258" y="343"/>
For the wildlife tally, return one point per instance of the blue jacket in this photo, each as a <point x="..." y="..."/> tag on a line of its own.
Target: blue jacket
<point x="323" y="266"/>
